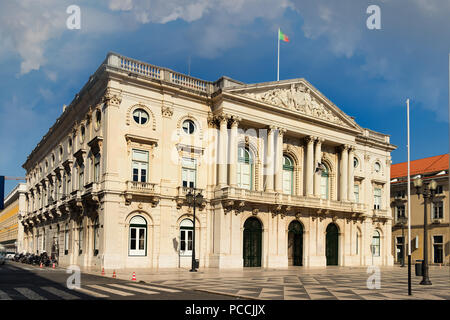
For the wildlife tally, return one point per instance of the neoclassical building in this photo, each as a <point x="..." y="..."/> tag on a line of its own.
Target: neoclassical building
<point x="287" y="177"/>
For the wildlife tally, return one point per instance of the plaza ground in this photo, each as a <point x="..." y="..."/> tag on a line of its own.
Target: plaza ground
<point x="299" y="283"/>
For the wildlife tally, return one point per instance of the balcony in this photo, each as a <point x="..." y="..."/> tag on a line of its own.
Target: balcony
<point x="142" y="191"/>
<point x="287" y="201"/>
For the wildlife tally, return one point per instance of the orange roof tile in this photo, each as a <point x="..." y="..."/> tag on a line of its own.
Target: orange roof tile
<point x="420" y="166"/>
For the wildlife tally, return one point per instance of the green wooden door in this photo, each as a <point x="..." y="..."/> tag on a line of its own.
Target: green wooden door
<point x="332" y="245"/>
<point x="252" y="243"/>
<point x="295" y="243"/>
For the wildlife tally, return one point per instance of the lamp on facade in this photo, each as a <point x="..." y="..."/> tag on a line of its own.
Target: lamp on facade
<point x="193" y="198"/>
<point x="427" y="190"/>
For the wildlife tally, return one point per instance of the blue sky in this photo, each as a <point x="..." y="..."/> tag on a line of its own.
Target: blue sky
<point x="367" y="73"/>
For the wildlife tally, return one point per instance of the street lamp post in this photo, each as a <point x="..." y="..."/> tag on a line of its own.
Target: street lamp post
<point x="193" y="198"/>
<point x="428" y="191"/>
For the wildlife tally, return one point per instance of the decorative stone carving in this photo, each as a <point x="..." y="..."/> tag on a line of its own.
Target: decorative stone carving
<point x="167" y="111"/>
<point x="255" y="211"/>
<point x="298" y="98"/>
<point x="111" y="99"/>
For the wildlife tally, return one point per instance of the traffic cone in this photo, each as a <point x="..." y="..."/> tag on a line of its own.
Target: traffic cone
<point x="103" y="271"/>
<point x="114" y="274"/>
<point x="40" y="265"/>
<point x="53" y="266"/>
<point x="134" y="277"/>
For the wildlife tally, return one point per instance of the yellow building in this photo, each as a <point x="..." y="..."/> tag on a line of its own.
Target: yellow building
<point x="9" y="226"/>
<point x="432" y="168"/>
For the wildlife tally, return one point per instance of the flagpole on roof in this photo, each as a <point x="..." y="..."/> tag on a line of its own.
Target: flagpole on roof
<point x="278" y="64"/>
<point x="409" y="204"/>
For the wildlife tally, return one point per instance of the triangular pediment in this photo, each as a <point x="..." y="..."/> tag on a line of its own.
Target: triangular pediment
<point x="297" y="95"/>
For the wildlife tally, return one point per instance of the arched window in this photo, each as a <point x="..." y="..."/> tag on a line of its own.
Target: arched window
<point x="138" y="236"/>
<point x="244" y="169"/>
<point x="376" y="244"/>
<point x="288" y="175"/>
<point x="186" y="240"/>
<point x="324" y="182"/>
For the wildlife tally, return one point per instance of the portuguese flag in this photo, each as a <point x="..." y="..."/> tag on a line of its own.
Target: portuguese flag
<point x="282" y="36"/>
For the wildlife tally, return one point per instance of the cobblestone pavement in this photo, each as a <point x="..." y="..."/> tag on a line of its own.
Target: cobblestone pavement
<point x="332" y="283"/>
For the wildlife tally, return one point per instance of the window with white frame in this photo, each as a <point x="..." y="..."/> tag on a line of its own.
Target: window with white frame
<point x="356" y="192"/>
<point x="376" y="243"/>
<point x="140" y="165"/>
<point x="186" y="237"/>
<point x="244" y="168"/>
<point x="138" y="236"/>
<point x="438" y="209"/>
<point x="188" y="172"/>
<point x="377" y="198"/>
<point x="140" y="116"/>
<point x="288" y="175"/>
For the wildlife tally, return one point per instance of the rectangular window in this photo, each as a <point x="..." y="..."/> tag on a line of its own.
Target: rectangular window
<point x="376" y="246"/>
<point x="81" y="177"/>
<point x="377" y="198"/>
<point x="400" y="212"/>
<point x="140" y="166"/>
<point x="137" y="241"/>
<point x="189" y="172"/>
<point x="438" y="254"/>
<point x="439" y="190"/>
<point x="96" y="238"/>
<point x="97" y="168"/>
<point x="356" y="191"/>
<point x="66" y="241"/>
<point x="186" y="242"/>
<point x="80" y="241"/>
<point x="438" y="210"/>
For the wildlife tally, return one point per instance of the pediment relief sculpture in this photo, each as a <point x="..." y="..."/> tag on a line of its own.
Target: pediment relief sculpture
<point x="297" y="98"/>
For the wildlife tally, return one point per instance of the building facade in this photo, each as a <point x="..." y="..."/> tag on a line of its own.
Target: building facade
<point x="432" y="168"/>
<point x="287" y="177"/>
<point x="11" y="231"/>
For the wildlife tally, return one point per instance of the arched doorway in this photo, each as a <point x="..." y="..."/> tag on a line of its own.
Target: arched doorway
<point x="252" y="243"/>
<point x="295" y="244"/>
<point x="332" y="245"/>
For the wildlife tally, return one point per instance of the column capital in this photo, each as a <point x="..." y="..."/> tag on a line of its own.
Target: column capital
<point x="344" y="147"/>
<point x="281" y="131"/>
<point x="223" y="118"/>
<point x="235" y="121"/>
<point x="310" y="139"/>
<point x="320" y="140"/>
<point x="273" y="127"/>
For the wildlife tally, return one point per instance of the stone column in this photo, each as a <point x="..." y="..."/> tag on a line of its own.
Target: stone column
<point x="309" y="165"/>
<point x="351" y="178"/>
<point x="343" y="173"/>
<point x="317" y="159"/>
<point x="279" y="161"/>
<point x="270" y="159"/>
<point x="223" y="145"/>
<point x="233" y="150"/>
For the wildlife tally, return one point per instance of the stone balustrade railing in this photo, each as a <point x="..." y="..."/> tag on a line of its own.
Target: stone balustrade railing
<point x="158" y="73"/>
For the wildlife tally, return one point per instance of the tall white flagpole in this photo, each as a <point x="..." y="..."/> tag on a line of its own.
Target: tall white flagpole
<point x="278" y="65"/>
<point x="409" y="203"/>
